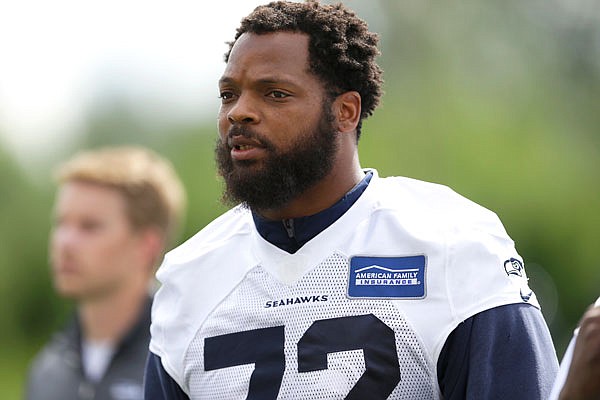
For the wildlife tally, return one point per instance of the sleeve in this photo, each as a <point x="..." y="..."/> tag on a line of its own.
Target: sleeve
<point x="501" y="353"/>
<point x="158" y="384"/>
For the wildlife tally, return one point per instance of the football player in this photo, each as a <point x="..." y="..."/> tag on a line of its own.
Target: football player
<point x="328" y="281"/>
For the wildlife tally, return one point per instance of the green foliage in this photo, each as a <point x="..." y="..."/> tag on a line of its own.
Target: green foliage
<point x="478" y="98"/>
<point x="497" y="100"/>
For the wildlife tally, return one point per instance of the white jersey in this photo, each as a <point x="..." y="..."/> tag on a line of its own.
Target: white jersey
<point x="360" y="311"/>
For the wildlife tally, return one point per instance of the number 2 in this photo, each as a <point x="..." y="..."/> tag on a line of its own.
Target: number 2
<point x="265" y="348"/>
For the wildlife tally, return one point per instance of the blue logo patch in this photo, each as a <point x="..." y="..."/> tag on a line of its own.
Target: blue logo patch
<point x="387" y="277"/>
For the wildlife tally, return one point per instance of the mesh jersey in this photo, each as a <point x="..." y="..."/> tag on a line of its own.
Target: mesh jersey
<point x="360" y="311"/>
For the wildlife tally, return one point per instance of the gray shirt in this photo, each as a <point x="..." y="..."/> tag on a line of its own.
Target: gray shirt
<point x="57" y="373"/>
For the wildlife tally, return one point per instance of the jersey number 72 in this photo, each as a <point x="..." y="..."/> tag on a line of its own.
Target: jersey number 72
<point x="265" y="348"/>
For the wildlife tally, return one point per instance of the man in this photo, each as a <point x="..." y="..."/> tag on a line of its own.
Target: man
<point x="579" y="374"/>
<point x="116" y="210"/>
<point x="329" y="282"/>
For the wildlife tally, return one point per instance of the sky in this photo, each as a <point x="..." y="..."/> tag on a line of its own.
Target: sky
<point x="58" y="58"/>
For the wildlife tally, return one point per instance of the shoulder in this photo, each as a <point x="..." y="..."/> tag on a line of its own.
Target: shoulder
<point x="57" y="361"/>
<point x="204" y="253"/>
<point x="424" y="195"/>
<point x="472" y="264"/>
<point x="434" y="201"/>
<point x="47" y="358"/>
<point x="203" y="258"/>
<point x="220" y="232"/>
<point x="193" y="279"/>
<point x="63" y="341"/>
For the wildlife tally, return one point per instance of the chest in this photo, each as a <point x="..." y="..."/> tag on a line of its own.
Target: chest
<point x="308" y="340"/>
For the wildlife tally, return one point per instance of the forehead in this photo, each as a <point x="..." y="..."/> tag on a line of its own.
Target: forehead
<point x="282" y="54"/>
<point x="89" y="198"/>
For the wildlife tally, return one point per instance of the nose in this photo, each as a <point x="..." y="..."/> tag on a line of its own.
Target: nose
<point x="242" y="111"/>
<point x="63" y="236"/>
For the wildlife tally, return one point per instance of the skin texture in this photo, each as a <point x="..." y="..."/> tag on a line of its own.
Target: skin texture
<point x="267" y="88"/>
<point x="583" y="378"/>
<point x="98" y="259"/>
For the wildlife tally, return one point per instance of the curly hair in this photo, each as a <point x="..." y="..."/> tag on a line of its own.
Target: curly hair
<point x="341" y="49"/>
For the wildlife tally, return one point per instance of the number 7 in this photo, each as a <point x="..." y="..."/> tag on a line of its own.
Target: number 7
<point x="265" y="348"/>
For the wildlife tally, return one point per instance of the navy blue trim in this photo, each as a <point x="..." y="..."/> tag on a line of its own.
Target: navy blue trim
<point x="501" y="353"/>
<point x="306" y="228"/>
<point x="158" y="384"/>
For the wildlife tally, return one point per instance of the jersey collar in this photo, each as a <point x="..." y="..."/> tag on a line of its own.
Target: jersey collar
<point x="291" y="235"/>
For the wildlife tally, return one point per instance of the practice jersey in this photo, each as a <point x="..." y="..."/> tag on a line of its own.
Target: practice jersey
<point x="360" y="311"/>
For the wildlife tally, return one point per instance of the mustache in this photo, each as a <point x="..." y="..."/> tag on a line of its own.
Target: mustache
<point x="243" y="131"/>
<point x="248" y="133"/>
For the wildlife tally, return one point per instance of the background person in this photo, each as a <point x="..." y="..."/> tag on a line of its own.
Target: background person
<point x="328" y="281"/>
<point x="116" y="210"/>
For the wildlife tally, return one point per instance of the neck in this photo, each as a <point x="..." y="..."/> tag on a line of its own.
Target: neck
<point x="109" y="318"/>
<point x="341" y="179"/>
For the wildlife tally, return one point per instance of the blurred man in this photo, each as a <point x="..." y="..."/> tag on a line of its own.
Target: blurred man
<point x="329" y="281"/>
<point x="116" y="211"/>
<point x="579" y="374"/>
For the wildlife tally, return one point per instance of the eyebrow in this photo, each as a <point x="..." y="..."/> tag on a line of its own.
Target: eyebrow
<point x="263" y="81"/>
<point x="225" y="80"/>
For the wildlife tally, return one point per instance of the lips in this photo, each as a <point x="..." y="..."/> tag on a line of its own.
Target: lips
<point x="243" y="148"/>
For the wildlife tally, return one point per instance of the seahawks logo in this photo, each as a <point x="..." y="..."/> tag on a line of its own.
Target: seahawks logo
<point x="513" y="267"/>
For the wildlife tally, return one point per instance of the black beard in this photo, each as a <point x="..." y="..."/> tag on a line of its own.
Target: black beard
<point x="285" y="175"/>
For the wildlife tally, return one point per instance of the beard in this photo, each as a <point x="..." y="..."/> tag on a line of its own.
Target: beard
<point x="285" y="174"/>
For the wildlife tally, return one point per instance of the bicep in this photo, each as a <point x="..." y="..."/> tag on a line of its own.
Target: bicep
<point x="504" y="352"/>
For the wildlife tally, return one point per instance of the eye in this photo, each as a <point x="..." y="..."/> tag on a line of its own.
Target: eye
<point x="90" y="225"/>
<point x="277" y="94"/>
<point x="226" y="95"/>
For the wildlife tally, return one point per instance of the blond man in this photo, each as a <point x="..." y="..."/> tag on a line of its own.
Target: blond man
<point x="116" y="211"/>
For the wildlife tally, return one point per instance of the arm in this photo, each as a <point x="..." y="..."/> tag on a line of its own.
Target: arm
<point x="583" y="376"/>
<point x="158" y="384"/>
<point x="501" y="353"/>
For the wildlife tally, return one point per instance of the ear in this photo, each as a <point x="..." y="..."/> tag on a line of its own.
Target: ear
<point x="347" y="107"/>
<point x="152" y="244"/>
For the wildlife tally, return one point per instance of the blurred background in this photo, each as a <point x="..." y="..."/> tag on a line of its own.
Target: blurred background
<point x="498" y="100"/>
